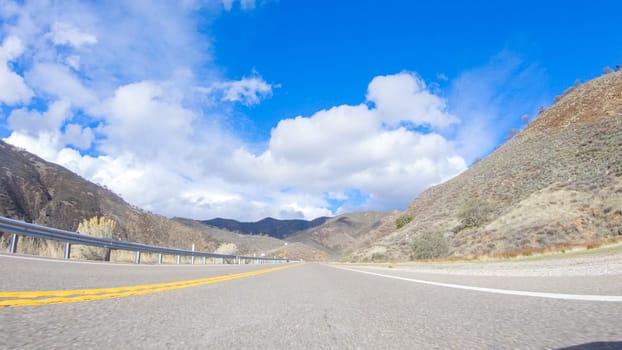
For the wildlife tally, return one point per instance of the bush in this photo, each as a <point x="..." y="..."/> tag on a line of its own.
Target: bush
<point x="430" y="245"/>
<point x="98" y="227"/>
<point x="227" y="249"/>
<point x="402" y="221"/>
<point x="474" y="213"/>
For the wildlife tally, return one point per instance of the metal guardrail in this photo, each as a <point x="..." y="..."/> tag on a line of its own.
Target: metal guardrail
<point x="19" y="228"/>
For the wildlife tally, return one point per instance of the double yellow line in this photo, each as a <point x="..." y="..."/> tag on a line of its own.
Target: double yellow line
<point x="32" y="298"/>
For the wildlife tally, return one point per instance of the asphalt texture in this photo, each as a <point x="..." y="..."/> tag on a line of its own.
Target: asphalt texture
<point x="309" y="306"/>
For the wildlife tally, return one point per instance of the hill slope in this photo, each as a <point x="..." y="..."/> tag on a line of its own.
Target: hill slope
<point x="40" y="192"/>
<point x="558" y="182"/>
<point x="339" y="235"/>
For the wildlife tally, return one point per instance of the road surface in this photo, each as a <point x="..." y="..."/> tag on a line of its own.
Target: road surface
<point x="305" y="306"/>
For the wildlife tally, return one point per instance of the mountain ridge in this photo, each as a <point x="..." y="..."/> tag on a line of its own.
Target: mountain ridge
<point x="272" y="227"/>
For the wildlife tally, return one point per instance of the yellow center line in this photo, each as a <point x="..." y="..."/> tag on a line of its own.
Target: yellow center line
<point x="31" y="298"/>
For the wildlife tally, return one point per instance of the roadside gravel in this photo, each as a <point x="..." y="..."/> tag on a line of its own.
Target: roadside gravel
<point x="606" y="264"/>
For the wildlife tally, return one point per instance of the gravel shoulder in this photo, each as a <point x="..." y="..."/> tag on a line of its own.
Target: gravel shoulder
<point x="604" y="262"/>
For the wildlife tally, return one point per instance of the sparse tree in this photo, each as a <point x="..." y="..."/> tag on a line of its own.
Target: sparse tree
<point x="403" y="221"/>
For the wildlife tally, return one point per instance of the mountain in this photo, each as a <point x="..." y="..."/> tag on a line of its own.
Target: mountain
<point x="44" y="193"/>
<point x="558" y="182"/>
<point x="320" y="239"/>
<point x="268" y="226"/>
<point x="257" y="244"/>
<point x="339" y="235"/>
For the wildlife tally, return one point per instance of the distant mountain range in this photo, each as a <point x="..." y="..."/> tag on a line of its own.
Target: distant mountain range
<point x="272" y="227"/>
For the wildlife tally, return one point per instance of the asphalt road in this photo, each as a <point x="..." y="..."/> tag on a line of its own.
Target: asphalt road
<point x="308" y="306"/>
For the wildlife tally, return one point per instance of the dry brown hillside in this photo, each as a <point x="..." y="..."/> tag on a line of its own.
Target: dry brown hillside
<point x="40" y="192"/>
<point x="558" y="182"/>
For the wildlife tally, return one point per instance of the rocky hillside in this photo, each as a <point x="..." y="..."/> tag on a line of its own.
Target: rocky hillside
<point x="558" y="182"/>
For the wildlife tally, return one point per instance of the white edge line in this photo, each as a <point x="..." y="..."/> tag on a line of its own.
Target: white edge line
<point x="582" y="297"/>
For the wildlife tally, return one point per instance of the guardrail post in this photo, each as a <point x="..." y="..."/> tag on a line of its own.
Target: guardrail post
<point x="67" y="250"/>
<point x="160" y="259"/>
<point x="178" y="259"/>
<point x="137" y="259"/>
<point x="13" y="244"/>
<point x="192" y="258"/>
<point x="204" y="260"/>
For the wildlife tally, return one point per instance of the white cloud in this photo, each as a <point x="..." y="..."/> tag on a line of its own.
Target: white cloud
<point x="59" y="81"/>
<point x="67" y="34"/>
<point x="146" y="119"/>
<point x="248" y="91"/>
<point x="134" y="103"/>
<point x="13" y="90"/>
<point x="350" y="147"/>
<point x="78" y="136"/>
<point x="33" y="122"/>
<point x="404" y="98"/>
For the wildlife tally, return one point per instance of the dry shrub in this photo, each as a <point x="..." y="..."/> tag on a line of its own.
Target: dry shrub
<point x="101" y="227"/>
<point x="403" y="221"/>
<point x="227" y="248"/>
<point x="474" y="213"/>
<point x="430" y="245"/>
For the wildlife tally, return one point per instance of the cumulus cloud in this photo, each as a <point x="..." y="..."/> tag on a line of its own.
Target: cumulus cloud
<point x="405" y="98"/>
<point x="350" y="146"/>
<point x="13" y="90"/>
<point x="151" y="137"/>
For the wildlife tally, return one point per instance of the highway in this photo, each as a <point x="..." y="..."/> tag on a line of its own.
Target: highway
<point x="301" y="306"/>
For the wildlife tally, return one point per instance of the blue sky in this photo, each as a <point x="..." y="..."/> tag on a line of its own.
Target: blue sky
<point x="290" y="109"/>
<point x="323" y="54"/>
